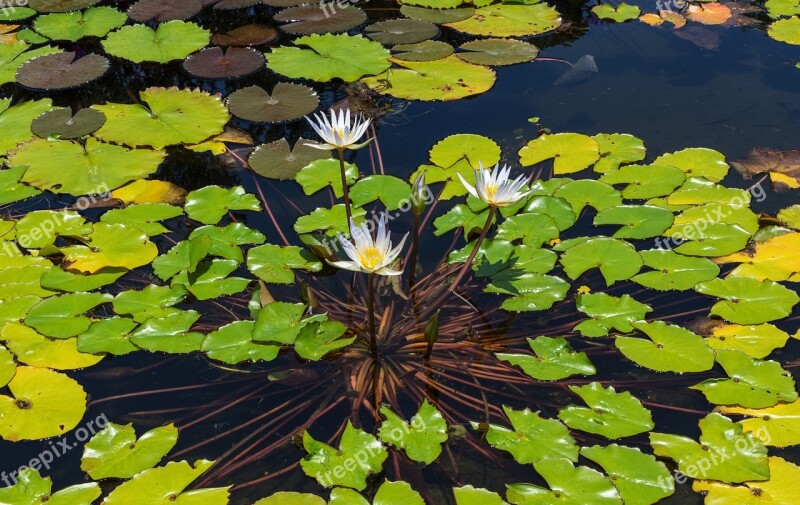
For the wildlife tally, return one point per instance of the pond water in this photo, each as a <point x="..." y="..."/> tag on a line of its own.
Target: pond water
<point x="726" y="88"/>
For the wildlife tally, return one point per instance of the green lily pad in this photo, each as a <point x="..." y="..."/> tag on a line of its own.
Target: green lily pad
<point x="274" y="264"/>
<point x="749" y="301"/>
<point x="531" y="437"/>
<point x="13" y="56"/>
<point x="673" y="271"/>
<point x="169" y="334"/>
<point x="583" y="192"/>
<point x="534" y="229"/>
<point x="11" y="190"/>
<point x="569" y="485"/>
<point x="233" y="343"/>
<point x="39" y="351"/>
<point x="50" y="224"/>
<point x="276" y="160"/>
<point x="421" y="438"/>
<point x="619" y="14"/>
<point x="752" y="383"/>
<point x="15" y="13"/>
<point x="638" y="221"/>
<point x="60" y="123"/>
<point x="391" y="191"/>
<point x="572" y="152"/>
<point x="390" y="493"/>
<point x="292" y="498"/>
<point x="185" y="255"/>
<point x="173" y="40"/>
<point x="644" y="181"/>
<point x="724" y="452"/>
<point x="331" y="221"/>
<point x="144" y="216"/>
<point x="43" y="404"/>
<point x="318" y="338"/>
<point x="279" y="322"/>
<point x="427" y="50"/>
<point x="116" y="452"/>
<point x="610" y="414"/>
<point x="640" y="478"/>
<point x="326" y="172"/>
<point x="111" y="335"/>
<point x="616" y="259"/>
<point x="8" y="367"/>
<point x="697" y="162"/>
<point x="110" y="245"/>
<point x="225" y="240"/>
<point x="73" y="26"/>
<point x="16" y="121"/>
<point x="617" y="149"/>
<point x="530" y="291"/>
<point x="172" y="116"/>
<point x="469" y="495"/>
<point x="287" y="101"/>
<point x="401" y="31"/>
<point x="210" y="279"/>
<point x="506" y="20"/>
<point x="63" y="316"/>
<point x="670" y="348"/>
<point x="554" y="360"/>
<point x="776" y="426"/>
<point x="786" y="30"/>
<point x="324" y="57"/>
<point x="443" y="14"/>
<point x="497" y="52"/>
<point x="70" y="167"/>
<point x="446" y="79"/>
<point x="757" y="341"/>
<point x="210" y="203"/>
<point x="152" y="301"/>
<point x="168" y="484"/>
<point x="30" y="488"/>
<point x="322" y="459"/>
<point x="609" y="313"/>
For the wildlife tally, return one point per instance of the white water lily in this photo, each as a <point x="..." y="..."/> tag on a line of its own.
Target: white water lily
<point x="494" y="188"/>
<point x="372" y="256"/>
<point x="337" y="132"/>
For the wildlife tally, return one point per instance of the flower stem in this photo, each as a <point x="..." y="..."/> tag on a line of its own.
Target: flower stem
<point x="345" y="188"/>
<point x="412" y="265"/>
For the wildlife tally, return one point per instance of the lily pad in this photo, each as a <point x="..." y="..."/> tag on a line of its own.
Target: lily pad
<point x="325" y="57"/>
<point x="572" y="152"/>
<point x="427" y="50"/>
<point x="38" y="351"/>
<point x="619" y="14"/>
<point x="164" y="10"/>
<point x="109" y="335"/>
<point x="568" y="484"/>
<point x="506" y="20"/>
<point x="445" y="79"/>
<point x="749" y="301"/>
<point x="110" y="245"/>
<point x="757" y="341"/>
<point x="617" y="149"/>
<point x="14" y="55"/>
<point x="638" y="221"/>
<point x="786" y="30"/>
<point x="210" y="279"/>
<point x="640" y="478"/>
<point x="436" y="15"/>
<point x="497" y="52"/>
<point x="170" y="334"/>
<point x="674" y="271"/>
<point x="168" y="483"/>
<point x="60" y="123"/>
<point x="401" y="31"/>
<point x="63" y="316"/>
<point x="697" y="162"/>
<point x="60" y="5"/>
<point x="554" y="359"/>
<point x="233" y="344"/>
<point x="778" y="489"/>
<point x="609" y="313"/>
<point x="777" y="426"/>
<point x="530" y="291"/>
<point x="116" y="452"/>
<point x="246" y="35"/>
<point x="287" y="102"/>
<point x="73" y="26"/>
<point x="421" y="438"/>
<point x="274" y="264"/>
<point x="616" y="259"/>
<point x="173" y="40"/>
<point x="610" y="414"/>
<point x="277" y="161"/>
<point x="391" y="191"/>
<point x="172" y="116"/>
<point x="669" y="349"/>
<point x="322" y="459"/>
<point x="314" y="18"/>
<point x="43" y="404"/>
<point x="216" y="63"/>
<point x="30" y="488"/>
<point x="16" y="121"/>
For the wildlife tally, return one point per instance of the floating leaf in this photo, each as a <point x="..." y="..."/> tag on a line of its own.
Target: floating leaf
<point x="583" y="192"/>
<point x="752" y="382"/>
<point x="616" y="259"/>
<point x="150" y="191"/>
<point x="287" y="101"/>
<point x="427" y="50"/>
<point x="73" y="26"/>
<point x="169" y="334"/>
<point x="393" y="192"/>
<point x="531" y="291"/>
<point x="554" y="359"/>
<point x="233" y="344"/>
<point x="390" y="493"/>
<point x="318" y="338"/>
<point x="724" y="452"/>
<point x="30" y="488"/>
<point x="11" y="190"/>
<point x="697" y="162"/>
<point x="619" y="14"/>
<point x="609" y="313"/>
<point x="568" y="484"/>
<point x="279" y="322"/>
<point x="185" y="255"/>
<point x="115" y="452"/>
<point x="39" y="351"/>
<point x="164" y="10"/>
<point x="292" y="498"/>
<point x="497" y="52"/>
<point x="780" y="488"/>
<point x="639" y="478"/>
<point x="711" y="13"/>
<point x="210" y="279"/>
<point x="639" y="221"/>
<point x="63" y="316"/>
<point x="172" y="116"/>
<point x="573" y="152"/>
<point x="757" y="341"/>
<point x="670" y="348"/>
<point x="644" y="181"/>
<point x="111" y="245"/>
<point x="329" y="56"/>
<point x="145" y="216"/>
<point x="504" y="20"/>
<point x="43" y="404"/>
<point x="610" y="414"/>
<point x="674" y="271"/>
<point x="777" y="426"/>
<point x="173" y="40"/>
<point x="313" y="18"/>
<point x="225" y="241"/>
<point x="444" y="14"/>
<point x="60" y="5"/>
<point x="445" y="79"/>
<point x="332" y="220"/>
<point x="152" y="301"/>
<point x="774" y="259"/>
<point x="214" y="63"/>
<point x="421" y="438"/>
<point x="274" y="264"/>
<point x="277" y="161"/>
<point x="16" y="121"/>
<point x="62" y="124"/>
<point x="326" y="172"/>
<point x="108" y="336"/>
<point x="13" y="56"/>
<point x="401" y="31"/>
<point x="749" y="301"/>
<point x="617" y="149"/>
<point x="210" y="203"/>
<point x="247" y="35"/>
<point x="468" y="495"/>
<point x="323" y="459"/>
<point x="532" y="437"/>
<point x="168" y="483"/>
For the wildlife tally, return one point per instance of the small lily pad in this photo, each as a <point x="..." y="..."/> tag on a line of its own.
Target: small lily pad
<point x="497" y="52"/>
<point x="611" y="414"/>
<point x="159" y="484"/>
<point x="287" y="101"/>
<point x="427" y="50"/>
<point x="313" y="18"/>
<point x="164" y="10"/>
<point x="210" y="203"/>
<point x="669" y="349"/>
<point x="62" y="124"/>
<point x="401" y="31"/>
<point x="554" y="359"/>
<point x="116" y="452"/>
<point x="246" y="35"/>
<point x="277" y="160"/>
<point x="216" y="63"/>
<point x="173" y="40"/>
<point x="61" y="71"/>
<point x="421" y="438"/>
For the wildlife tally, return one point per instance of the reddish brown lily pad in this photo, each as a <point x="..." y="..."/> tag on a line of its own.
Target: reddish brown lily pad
<point x="783" y="166"/>
<point x="247" y="35"/>
<point x="61" y="71"/>
<point x="59" y="5"/>
<point x="307" y="19"/>
<point x="164" y="10"/>
<point x="287" y="102"/>
<point x="214" y="63"/>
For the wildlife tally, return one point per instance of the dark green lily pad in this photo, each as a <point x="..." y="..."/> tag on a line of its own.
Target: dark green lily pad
<point x="401" y="31"/>
<point x="277" y="161"/>
<point x="427" y="50"/>
<point x="61" y="71"/>
<point x="437" y="15"/>
<point x="287" y="102"/>
<point x="216" y="63"/>
<point x="62" y="124"/>
<point x="164" y="10"/>
<point x="314" y="18"/>
<point x="497" y="52"/>
<point x="247" y="35"/>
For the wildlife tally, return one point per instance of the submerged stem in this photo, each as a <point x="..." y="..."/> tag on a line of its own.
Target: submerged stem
<point x="373" y="341"/>
<point x="345" y="189"/>
<point x="412" y="265"/>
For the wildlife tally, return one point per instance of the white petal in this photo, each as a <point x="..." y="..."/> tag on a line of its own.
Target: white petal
<point x="347" y="265"/>
<point x="468" y="186"/>
<point x="388" y="271"/>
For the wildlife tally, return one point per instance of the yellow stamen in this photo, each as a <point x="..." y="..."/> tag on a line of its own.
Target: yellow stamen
<point x="490" y="191"/>
<point x="370" y="257"/>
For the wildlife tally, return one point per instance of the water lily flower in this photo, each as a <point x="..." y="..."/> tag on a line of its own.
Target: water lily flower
<point x="337" y="132"/>
<point x="494" y="188"/>
<point x="368" y="255"/>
